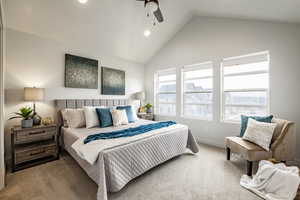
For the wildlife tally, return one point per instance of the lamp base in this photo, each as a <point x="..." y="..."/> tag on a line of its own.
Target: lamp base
<point x="36" y="119"/>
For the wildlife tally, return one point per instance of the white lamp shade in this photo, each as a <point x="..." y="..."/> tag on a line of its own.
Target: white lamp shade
<point x="33" y="94"/>
<point x="140" y="95"/>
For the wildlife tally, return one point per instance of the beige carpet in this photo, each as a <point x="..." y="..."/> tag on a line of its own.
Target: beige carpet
<point x="204" y="176"/>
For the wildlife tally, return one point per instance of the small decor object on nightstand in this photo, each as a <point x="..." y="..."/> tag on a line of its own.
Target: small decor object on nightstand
<point x="26" y="114"/>
<point x="142" y="109"/>
<point x="148" y="107"/>
<point x="33" y="146"/>
<point x="47" y="121"/>
<point x="34" y="94"/>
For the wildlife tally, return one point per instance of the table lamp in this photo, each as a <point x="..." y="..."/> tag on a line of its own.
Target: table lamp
<point x="141" y="96"/>
<point x="34" y="94"/>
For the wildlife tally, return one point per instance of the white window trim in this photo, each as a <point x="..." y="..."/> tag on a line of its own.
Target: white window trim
<point x="156" y="93"/>
<point x="204" y="65"/>
<point x="222" y="91"/>
<point x="2" y="71"/>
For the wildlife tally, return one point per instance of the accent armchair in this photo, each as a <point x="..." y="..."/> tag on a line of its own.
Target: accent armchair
<point x="283" y="145"/>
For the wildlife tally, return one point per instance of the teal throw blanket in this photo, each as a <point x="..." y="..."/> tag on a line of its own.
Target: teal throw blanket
<point x="129" y="131"/>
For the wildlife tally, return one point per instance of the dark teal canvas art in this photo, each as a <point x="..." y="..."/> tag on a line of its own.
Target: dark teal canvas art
<point x="81" y="72"/>
<point x="112" y="81"/>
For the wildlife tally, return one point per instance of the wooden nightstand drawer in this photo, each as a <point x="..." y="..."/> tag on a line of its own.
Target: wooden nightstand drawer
<point x="33" y="146"/>
<point x="147" y="116"/>
<point x="34" y="135"/>
<point x="35" y="153"/>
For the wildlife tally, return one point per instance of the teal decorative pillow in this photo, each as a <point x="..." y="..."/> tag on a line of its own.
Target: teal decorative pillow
<point x="129" y="113"/>
<point x="244" y="121"/>
<point x="104" y="116"/>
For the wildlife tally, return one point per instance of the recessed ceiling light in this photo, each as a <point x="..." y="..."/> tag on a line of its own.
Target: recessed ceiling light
<point x="83" y="1"/>
<point x="147" y="33"/>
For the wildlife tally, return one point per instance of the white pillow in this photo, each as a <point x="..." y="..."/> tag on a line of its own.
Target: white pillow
<point x="75" y="118"/>
<point x="134" y="111"/>
<point x="119" y="117"/>
<point x="259" y="133"/>
<point x="91" y="117"/>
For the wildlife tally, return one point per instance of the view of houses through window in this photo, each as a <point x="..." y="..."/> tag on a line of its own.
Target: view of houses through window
<point x="165" y="88"/>
<point x="198" y="91"/>
<point x="245" y="85"/>
<point x="244" y="89"/>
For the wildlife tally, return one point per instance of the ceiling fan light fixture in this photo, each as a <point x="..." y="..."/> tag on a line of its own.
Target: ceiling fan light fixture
<point x="147" y="33"/>
<point x="152" y="6"/>
<point x="83" y="1"/>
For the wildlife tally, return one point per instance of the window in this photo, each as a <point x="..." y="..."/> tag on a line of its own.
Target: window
<point x="245" y="86"/>
<point x="165" y="92"/>
<point x="197" y="85"/>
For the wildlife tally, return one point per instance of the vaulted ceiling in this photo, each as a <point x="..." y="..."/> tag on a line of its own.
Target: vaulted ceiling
<point x="116" y="27"/>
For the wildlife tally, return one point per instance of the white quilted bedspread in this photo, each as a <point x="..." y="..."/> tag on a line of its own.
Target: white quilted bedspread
<point x="123" y="159"/>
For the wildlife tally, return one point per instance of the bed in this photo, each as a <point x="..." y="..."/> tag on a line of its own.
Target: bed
<point x="113" y="163"/>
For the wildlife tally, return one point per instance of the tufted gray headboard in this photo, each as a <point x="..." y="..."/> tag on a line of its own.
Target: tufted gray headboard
<point x="79" y="103"/>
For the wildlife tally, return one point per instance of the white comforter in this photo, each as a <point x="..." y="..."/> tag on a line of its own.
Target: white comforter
<point x="121" y="160"/>
<point x="90" y="151"/>
<point x="273" y="181"/>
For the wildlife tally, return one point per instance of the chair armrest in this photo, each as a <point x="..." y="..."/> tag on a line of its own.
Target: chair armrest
<point x="284" y="147"/>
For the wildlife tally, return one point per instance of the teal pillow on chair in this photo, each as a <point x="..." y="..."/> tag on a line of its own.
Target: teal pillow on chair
<point x="104" y="116"/>
<point x="244" y="121"/>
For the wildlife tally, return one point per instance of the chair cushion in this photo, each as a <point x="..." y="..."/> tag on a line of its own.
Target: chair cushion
<point x="244" y="121"/>
<point x="248" y="150"/>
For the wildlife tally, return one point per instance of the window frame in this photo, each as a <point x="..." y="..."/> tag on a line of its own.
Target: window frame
<point x="194" y="67"/>
<point x="223" y="91"/>
<point x="157" y="74"/>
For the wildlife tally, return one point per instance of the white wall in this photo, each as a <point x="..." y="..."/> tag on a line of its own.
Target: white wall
<point x="35" y="61"/>
<point x="211" y="39"/>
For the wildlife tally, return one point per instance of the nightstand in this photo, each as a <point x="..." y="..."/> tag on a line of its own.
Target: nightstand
<point x="147" y="116"/>
<point x="33" y="146"/>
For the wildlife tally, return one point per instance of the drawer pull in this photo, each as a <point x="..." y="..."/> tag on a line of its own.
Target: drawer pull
<point x="37" y="153"/>
<point x="36" y="133"/>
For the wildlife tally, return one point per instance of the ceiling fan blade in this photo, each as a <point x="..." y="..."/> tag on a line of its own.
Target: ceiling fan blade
<point x="159" y="15"/>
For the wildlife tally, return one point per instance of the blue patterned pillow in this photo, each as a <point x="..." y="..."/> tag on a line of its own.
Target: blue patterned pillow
<point x="129" y="113"/>
<point x="244" y="121"/>
<point x="104" y="116"/>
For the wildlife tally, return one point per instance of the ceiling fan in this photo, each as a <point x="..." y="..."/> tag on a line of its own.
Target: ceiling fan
<point x="152" y="7"/>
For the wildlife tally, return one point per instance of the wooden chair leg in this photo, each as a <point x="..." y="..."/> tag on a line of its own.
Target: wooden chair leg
<point x="228" y="153"/>
<point x="249" y="167"/>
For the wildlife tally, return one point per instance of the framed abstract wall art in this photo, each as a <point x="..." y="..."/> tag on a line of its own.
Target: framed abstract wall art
<point x="81" y="72"/>
<point x="112" y="81"/>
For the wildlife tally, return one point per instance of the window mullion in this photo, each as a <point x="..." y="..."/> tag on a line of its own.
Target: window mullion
<point x="247" y="73"/>
<point x="247" y="90"/>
